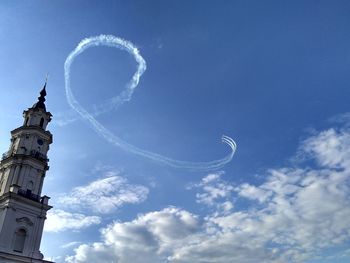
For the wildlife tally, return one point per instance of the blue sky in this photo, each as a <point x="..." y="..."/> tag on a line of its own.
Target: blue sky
<point x="273" y="75"/>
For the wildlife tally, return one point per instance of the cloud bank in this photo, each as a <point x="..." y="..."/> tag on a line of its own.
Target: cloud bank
<point x="296" y="214"/>
<point x="104" y="195"/>
<point x="125" y="96"/>
<point x="60" y="220"/>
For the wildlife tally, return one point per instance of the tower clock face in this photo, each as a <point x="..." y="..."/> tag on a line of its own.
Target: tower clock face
<point x="40" y="141"/>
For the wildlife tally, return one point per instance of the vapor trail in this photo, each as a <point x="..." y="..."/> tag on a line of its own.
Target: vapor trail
<point x="115" y="102"/>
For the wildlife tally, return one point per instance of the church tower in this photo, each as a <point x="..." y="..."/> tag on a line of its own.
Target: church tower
<point x="22" y="171"/>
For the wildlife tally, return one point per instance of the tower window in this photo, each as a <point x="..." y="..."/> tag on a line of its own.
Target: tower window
<point x="20" y="238"/>
<point x="42" y="122"/>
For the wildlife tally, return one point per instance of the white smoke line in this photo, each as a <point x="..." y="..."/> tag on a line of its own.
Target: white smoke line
<point x="115" y="102"/>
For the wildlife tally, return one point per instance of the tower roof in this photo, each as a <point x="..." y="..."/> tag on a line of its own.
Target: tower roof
<point x="41" y="99"/>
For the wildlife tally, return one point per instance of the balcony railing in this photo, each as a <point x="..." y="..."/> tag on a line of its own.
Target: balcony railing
<point x="38" y="155"/>
<point x="33" y="153"/>
<point x="28" y="194"/>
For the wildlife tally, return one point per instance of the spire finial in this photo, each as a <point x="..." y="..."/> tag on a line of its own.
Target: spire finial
<point x="46" y="78"/>
<point x="41" y="99"/>
<point x="43" y="92"/>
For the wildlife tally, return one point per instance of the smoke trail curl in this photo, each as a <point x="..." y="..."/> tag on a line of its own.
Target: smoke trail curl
<point x="115" y="102"/>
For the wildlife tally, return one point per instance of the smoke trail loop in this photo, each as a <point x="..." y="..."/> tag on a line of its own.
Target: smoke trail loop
<point x="125" y="96"/>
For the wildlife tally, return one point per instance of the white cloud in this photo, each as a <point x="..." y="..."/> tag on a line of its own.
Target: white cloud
<point x="148" y="238"/>
<point x="53" y="259"/>
<point x="105" y="195"/>
<point x="71" y="244"/>
<point x="253" y="192"/>
<point x="213" y="189"/>
<point x="331" y="148"/>
<point x="296" y="214"/>
<point x="59" y="220"/>
<point x="64" y="118"/>
<point x="343" y="119"/>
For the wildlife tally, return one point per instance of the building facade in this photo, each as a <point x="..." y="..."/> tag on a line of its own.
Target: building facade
<point x="22" y="171"/>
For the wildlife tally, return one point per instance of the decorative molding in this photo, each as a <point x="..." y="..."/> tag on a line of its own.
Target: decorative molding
<point x="8" y="206"/>
<point x="24" y="220"/>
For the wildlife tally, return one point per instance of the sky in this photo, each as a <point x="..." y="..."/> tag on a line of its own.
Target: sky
<point x="272" y="75"/>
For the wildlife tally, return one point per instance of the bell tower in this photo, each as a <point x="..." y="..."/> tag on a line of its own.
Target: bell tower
<point x="22" y="171"/>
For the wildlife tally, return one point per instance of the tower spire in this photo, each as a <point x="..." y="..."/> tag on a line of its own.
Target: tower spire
<point x="41" y="99"/>
<point x="22" y="172"/>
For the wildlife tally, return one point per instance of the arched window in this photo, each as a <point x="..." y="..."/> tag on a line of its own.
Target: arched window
<point x="42" y="122"/>
<point x="20" y="238"/>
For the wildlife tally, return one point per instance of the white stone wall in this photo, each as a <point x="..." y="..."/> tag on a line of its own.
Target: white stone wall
<point x="20" y="213"/>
